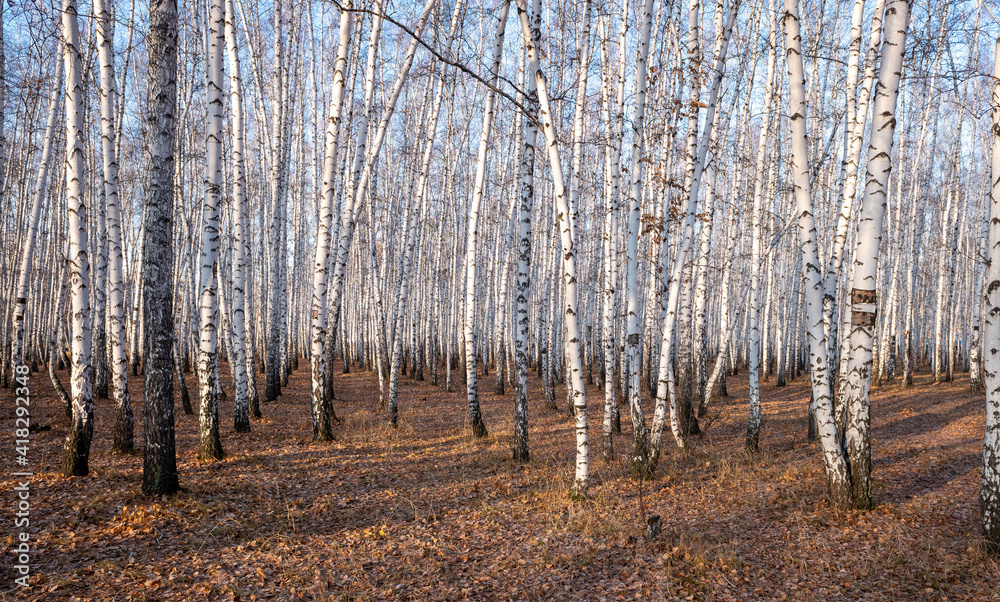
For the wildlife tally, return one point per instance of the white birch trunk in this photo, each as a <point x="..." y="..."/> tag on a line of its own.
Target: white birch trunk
<point x="322" y="403"/>
<point x="76" y="453"/>
<point x="124" y="421"/>
<point x="640" y="443"/>
<point x="989" y="490"/>
<point x="753" y="352"/>
<point x="417" y="210"/>
<point x="665" y="372"/>
<point x="241" y="366"/>
<point x="210" y="444"/>
<point x="361" y="178"/>
<point x="38" y="197"/>
<point x="526" y="192"/>
<point x="944" y="277"/>
<point x="980" y="266"/>
<point x="853" y="139"/>
<point x="609" y="268"/>
<point x="276" y="243"/>
<point x="869" y="237"/>
<point x="566" y="228"/>
<point x="836" y="466"/>
<point x="472" y="389"/>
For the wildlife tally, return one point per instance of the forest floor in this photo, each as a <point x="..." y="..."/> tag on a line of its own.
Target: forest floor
<point x="427" y="512"/>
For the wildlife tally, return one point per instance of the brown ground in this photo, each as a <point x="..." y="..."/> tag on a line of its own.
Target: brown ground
<point x="427" y="512"/>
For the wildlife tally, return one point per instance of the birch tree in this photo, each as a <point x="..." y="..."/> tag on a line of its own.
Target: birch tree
<point x="361" y="177"/>
<point x="836" y="467"/>
<point x="418" y="209"/>
<point x="242" y="394"/>
<point x="159" y="475"/>
<point x="869" y="236"/>
<point x="76" y="454"/>
<point x="989" y="489"/>
<point x="321" y="401"/>
<point x="526" y="193"/>
<point x="124" y="421"/>
<point x="423" y="143"/>
<point x="684" y="247"/>
<point x="472" y="389"/>
<point x="566" y="228"/>
<point x="41" y="181"/>
<point x="640" y="443"/>
<point x="753" y="353"/>
<point x="210" y="444"/>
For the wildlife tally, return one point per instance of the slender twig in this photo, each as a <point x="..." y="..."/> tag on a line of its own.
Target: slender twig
<point x="446" y="60"/>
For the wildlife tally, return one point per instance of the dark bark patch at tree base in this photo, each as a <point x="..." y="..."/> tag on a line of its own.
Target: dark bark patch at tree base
<point x="479" y="428"/>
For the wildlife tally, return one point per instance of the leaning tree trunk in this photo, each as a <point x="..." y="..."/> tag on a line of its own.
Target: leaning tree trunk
<point x="566" y="228"/>
<point x="836" y="466"/>
<point x="344" y="229"/>
<point x="726" y="313"/>
<point x="361" y="178"/>
<point x="857" y="377"/>
<point x="418" y="208"/>
<point x="27" y="249"/>
<point x="159" y="475"/>
<point x="854" y="129"/>
<point x="665" y="367"/>
<point x="76" y="453"/>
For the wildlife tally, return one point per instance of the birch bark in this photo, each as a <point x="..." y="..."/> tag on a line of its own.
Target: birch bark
<point x="640" y="436"/>
<point x="869" y="236"/>
<point x="322" y="402"/>
<point x="159" y="474"/>
<point x="124" y="421"/>
<point x="241" y="401"/>
<point x="526" y="200"/>
<point x="753" y="352"/>
<point x="420" y="207"/>
<point x="76" y="453"/>
<point x="664" y="373"/>
<point x="361" y="178"/>
<point x="472" y="389"/>
<point x="836" y="467"/>
<point x="277" y="243"/>
<point x="210" y="444"/>
<point x="41" y="181"/>
<point x="853" y="139"/>
<point x="566" y="228"/>
<point x="976" y="383"/>
<point x="989" y="489"/>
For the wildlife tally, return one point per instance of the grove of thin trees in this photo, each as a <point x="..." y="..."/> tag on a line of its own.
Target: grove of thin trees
<point x="635" y="199"/>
